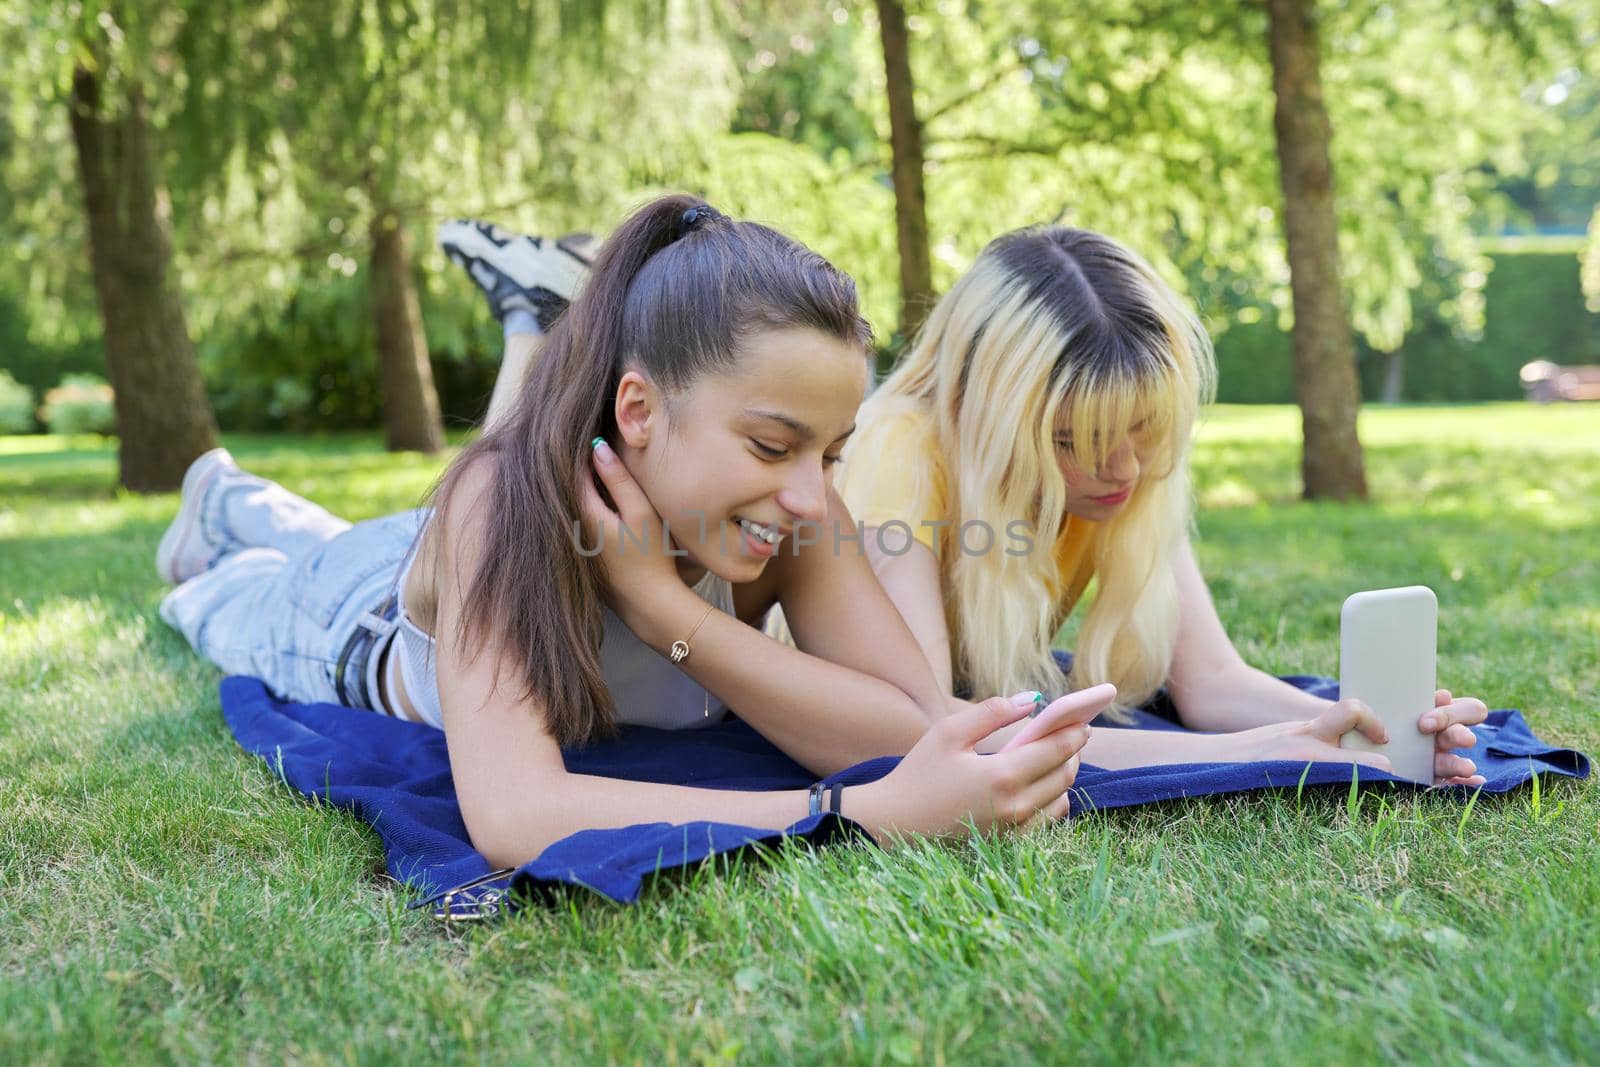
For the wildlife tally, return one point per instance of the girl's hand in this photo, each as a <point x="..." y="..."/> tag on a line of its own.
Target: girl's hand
<point x="942" y="782"/>
<point x="631" y="538"/>
<point x="1316" y="740"/>
<point x="1449" y="722"/>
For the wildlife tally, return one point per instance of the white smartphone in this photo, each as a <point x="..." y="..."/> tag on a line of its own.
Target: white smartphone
<point x="1388" y="650"/>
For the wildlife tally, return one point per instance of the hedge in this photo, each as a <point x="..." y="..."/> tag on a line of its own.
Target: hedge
<point x="1534" y="310"/>
<point x="311" y="365"/>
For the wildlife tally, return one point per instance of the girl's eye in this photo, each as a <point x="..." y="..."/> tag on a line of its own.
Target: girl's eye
<point x="832" y="461"/>
<point x="768" y="451"/>
<point x="1064" y="443"/>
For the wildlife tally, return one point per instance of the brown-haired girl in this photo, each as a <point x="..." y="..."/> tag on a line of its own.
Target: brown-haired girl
<point x="604" y="555"/>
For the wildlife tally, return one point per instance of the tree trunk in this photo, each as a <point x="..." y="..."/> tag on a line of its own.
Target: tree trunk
<point x="1324" y="349"/>
<point x="1394" y="376"/>
<point x="411" y="419"/>
<point x="164" y="419"/>
<point x="910" y="199"/>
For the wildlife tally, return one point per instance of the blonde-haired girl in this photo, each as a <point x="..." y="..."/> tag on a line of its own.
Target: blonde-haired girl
<point x="1036" y="435"/>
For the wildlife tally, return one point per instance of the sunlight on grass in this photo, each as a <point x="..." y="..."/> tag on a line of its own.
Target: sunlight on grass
<point x="1229" y="493"/>
<point x="164" y="897"/>
<point x="46" y="444"/>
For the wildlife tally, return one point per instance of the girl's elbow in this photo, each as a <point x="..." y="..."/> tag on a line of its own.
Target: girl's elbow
<point x="503" y="854"/>
<point x="504" y="840"/>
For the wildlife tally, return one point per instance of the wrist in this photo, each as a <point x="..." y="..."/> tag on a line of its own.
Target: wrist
<point x="863" y="805"/>
<point x="662" y="613"/>
<point x="1240" y="746"/>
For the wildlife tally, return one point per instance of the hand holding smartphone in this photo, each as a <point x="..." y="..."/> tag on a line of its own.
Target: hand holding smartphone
<point x="1388" y="648"/>
<point x="1070" y="710"/>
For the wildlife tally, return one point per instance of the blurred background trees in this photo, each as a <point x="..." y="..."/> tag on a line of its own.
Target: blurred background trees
<point x="280" y="271"/>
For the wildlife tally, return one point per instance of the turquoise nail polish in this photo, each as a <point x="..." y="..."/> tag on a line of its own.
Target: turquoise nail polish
<point x="597" y="442"/>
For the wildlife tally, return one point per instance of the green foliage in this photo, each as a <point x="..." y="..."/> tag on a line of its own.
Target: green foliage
<point x="46" y="292"/>
<point x="1534" y="310"/>
<point x="16" y="406"/>
<point x="1152" y="121"/>
<point x="82" y="403"/>
<point x="803" y="78"/>
<point x="1148" y="119"/>
<point x="279" y="148"/>
<point x="39" y="357"/>
<point x="1254" y="365"/>
<point x="308" y="365"/>
<point x="834" y="208"/>
<point x="1562" y="183"/>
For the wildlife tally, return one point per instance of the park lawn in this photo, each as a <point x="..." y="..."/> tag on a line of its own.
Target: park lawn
<point x="164" y="897"/>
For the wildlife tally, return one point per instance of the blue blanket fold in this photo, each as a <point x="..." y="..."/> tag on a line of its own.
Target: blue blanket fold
<point x="396" y="776"/>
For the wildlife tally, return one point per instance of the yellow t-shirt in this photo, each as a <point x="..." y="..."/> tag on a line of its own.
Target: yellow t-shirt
<point x="903" y="479"/>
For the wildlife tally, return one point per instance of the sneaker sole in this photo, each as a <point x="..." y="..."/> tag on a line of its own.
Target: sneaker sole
<point x="545" y="265"/>
<point x="186" y="524"/>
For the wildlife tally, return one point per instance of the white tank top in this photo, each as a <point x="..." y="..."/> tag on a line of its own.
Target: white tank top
<point x="649" y="690"/>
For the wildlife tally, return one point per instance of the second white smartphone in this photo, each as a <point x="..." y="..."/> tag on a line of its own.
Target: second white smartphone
<point x="1388" y="651"/>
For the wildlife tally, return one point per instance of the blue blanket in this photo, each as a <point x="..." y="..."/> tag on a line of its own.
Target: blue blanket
<point x="396" y="776"/>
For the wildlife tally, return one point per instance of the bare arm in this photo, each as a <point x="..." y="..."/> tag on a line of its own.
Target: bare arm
<point x="515" y="793"/>
<point x="1211" y="685"/>
<point x="517" y="798"/>
<point x="909" y="574"/>
<point x="912" y="582"/>
<point x="1214" y="689"/>
<point x="855" y="688"/>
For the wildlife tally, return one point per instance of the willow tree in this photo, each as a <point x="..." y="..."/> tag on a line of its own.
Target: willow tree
<point x="272" y="155"/>
<point x="395" y="113"/>
<point x="99" y="67"/>
<point x="163" y="417"/>
<point x="388" y="109"/>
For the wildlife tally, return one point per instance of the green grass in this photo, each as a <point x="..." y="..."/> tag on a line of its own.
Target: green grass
<point x="163" y="897"/>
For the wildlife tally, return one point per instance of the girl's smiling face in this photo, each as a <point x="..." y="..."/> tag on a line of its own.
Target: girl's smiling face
<point x="736" y="460"/>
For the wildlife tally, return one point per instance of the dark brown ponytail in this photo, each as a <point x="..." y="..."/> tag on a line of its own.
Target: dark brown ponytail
<point x="673" y="292"/>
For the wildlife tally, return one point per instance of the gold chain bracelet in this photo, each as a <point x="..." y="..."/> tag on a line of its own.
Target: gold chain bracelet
<point x="680" y="649"/>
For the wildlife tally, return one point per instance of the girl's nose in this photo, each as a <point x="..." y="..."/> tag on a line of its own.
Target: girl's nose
<point x="1122" y="465"/>
<point x="805" y="495"/>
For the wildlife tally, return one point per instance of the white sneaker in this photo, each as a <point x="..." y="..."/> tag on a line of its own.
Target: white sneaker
<point x="519" y="272"/>
<point x="185" y="550"/>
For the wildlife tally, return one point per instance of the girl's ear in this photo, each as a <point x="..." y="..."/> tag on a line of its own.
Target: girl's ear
<point x="638" y="409"/>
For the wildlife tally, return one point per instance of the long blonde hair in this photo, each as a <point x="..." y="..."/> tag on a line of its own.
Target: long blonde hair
<point x="1052" y="327"/>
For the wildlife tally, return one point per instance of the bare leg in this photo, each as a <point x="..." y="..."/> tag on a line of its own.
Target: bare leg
<point x="514" y="367"/>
